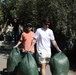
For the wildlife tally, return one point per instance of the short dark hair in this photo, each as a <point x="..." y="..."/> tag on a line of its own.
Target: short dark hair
<point x="25" y="27"/>
<point x="28" y="25"/>
<point x="46" y="20"/>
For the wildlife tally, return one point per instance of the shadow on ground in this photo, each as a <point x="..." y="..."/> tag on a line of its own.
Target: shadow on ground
<point x="5" y="49"/>
<point x="4" y="72"/>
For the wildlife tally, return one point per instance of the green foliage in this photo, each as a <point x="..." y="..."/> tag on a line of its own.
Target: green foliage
<point x="26" y="11"/>
<point x="1" y="16"/>
<point x="1" y="13"/>
<point x="62" y="12"/>
<point x="8" y="7"/>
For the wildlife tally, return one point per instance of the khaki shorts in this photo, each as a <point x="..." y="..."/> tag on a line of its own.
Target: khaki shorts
<point x="44" y="57"/>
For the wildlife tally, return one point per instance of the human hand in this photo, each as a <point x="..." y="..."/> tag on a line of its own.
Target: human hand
<point x="60" y="50"/>
<point x="30" y="51"/>
<point x="14" y="46"/>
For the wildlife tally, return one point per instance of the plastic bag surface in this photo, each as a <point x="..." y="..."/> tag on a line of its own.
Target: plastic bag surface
<point x="59" y="64"/>
<point x="13" y="59"/>
<point x="28" y="65"/>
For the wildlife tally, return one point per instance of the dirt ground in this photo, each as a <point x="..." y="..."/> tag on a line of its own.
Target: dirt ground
<point x="5" y="49"/>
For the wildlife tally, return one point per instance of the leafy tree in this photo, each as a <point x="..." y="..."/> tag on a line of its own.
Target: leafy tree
<point x="1" y="13"/>
<point x="26" y="11"/>
<point x="9" y="8"/>
<point x="62" y="13"/>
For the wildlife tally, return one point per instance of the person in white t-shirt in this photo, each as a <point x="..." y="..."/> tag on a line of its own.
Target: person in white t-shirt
<point x="43" y="38"/>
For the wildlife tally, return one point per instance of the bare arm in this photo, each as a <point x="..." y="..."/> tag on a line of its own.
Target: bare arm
<point x="19" y="42"/>
<point x="55" y="45"/>
<point x="33" y="43"/>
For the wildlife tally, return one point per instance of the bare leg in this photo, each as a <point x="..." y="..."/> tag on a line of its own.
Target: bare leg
<point x="43" y="69"/>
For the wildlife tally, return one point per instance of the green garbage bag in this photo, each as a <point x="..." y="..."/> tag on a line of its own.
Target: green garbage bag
<point x="28" y="65"/>
<point x="36" y="57"/>
<point x="59" y="64"/>
<point x="13" y="59"/>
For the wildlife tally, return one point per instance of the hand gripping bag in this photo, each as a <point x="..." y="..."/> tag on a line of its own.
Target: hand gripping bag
<point x="13" y="59"/>
<point x="28" y="65"/>
<point x="59" y="64"/>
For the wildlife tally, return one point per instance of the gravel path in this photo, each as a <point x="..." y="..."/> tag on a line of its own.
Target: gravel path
<point x="3" y="61"/>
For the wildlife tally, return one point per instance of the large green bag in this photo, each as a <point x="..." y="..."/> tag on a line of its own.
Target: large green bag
<point x="28" y="65"/>
<point x="36" y="57"/>
<point x="13" y="59"/>
<point x="59" y="64"/>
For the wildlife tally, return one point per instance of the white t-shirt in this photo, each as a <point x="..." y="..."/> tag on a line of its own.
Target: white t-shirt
<point x="44" y="38"/>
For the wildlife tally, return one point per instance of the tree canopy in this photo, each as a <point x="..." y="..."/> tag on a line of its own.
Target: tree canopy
<point x="61" y="12"/>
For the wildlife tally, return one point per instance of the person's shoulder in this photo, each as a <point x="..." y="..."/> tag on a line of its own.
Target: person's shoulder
<point x="38" y="29"/>
<point x="23" y="33"/>
<point x="32" y="32"/>
<point x="50" y="30"/>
